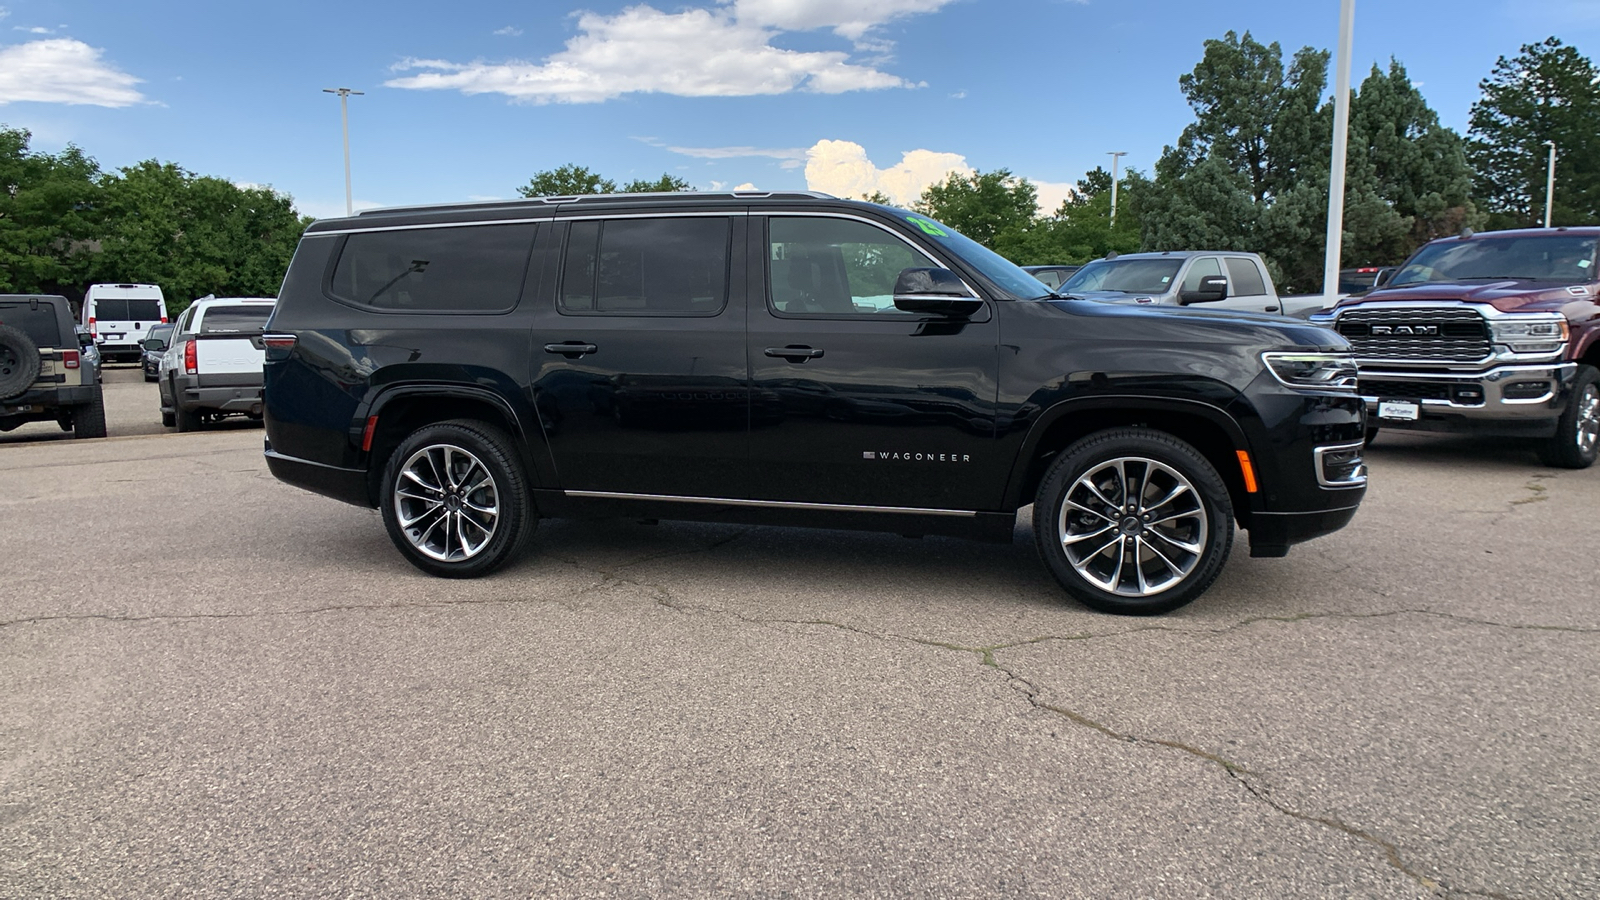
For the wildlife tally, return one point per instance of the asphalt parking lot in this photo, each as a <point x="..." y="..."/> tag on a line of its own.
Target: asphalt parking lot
<point x="213" y="684"/>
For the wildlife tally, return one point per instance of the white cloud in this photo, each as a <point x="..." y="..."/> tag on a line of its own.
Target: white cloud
<point x="62" y="70"/>
<point x="37" y="29"/>
<point x="848" y="18"/>
<point x="791" y="157"/>
<point x="747" y="186"/>
<point x="509" y="31"/>
<point x="4" y="12"/>
<point x="841" y="168"/>
<point x="693" y="53"/>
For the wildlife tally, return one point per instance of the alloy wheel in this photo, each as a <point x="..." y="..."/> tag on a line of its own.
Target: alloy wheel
<point x="445" y="503"/>
<point x="1133" y="526"/>
<point x="1588" y="430"/>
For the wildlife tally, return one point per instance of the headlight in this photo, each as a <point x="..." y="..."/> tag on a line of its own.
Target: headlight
<point x="1529" y="333"/>
<point x="1317" y="371"/>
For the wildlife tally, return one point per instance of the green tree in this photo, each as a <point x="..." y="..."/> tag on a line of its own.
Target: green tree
<point x="1548" y="92"/>
<point x="568" y="180"/>
<point x="666" y="184"/>
<point x="1080" y="229"/>
<point x="993" y="208"/>
<point x="46" y="216"/>
<point x="192" y="234"/>
<point x="575" y="180"/>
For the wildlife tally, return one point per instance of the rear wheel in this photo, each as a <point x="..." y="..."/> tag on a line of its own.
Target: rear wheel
<point x="89" y="420"/>
<point x="1372" y="434"/>
<point x="1133" y="521"/>
<point x="455" y="500"/>
<point x="1577" y="439"/>
<point x="188" y="419"/>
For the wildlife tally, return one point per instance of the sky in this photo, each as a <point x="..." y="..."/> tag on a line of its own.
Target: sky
<point x="468" y="100"/>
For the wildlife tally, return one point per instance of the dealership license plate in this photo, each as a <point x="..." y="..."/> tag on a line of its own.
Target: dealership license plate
<point x="1399" y="410"/>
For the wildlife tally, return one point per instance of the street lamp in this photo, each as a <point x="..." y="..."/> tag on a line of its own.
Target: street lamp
<point x="1116" y="156"/>
<point x="344" y="113"/>
<point x="1341" y="139"/>
<point x="1550" y="183"/>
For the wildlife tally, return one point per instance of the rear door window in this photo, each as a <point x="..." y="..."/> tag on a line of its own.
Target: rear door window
<point x="475" y="269"/>
<point x="117" y="310"/>
<point x="1245" y="278"/>
<point x="673" y="265"/>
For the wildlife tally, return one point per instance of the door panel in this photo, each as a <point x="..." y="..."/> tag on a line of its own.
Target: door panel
<point x="638" y="365"/>
<point x="853" y="401"/>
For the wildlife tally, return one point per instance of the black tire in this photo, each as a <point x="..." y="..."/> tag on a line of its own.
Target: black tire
<point x="460" y="448"/>
<point x="168" y="419"/>
<point x="1577" y="439"/>
<point x="1169" y="475"/>
<point x="188" y="419"/>
<point x="19" y="361"/>
<point x="1372" y="434"/>
<point x="89" y="420"/>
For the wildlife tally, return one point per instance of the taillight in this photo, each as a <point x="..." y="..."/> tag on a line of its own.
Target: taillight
<point x="278" y="346"/>
<point x="70" y="359"/>
<point x="92" y="329"/>
<point x="190" y="365"/>
<point x="163" y="320"/>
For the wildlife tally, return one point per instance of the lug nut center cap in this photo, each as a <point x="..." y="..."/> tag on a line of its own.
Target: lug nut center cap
<point x="1131" y="526"/>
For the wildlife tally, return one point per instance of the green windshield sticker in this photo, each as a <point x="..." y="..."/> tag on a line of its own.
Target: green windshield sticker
<point x="927" y="227"/>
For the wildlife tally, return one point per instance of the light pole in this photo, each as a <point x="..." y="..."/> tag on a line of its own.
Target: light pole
<point x="1341" y="138"/>
<point x="344" y="113"/>
<point x="1550" y="183"/>
<point x="1116" y="156"/>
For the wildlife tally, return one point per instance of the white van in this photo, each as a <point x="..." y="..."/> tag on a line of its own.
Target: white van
<point x="119" y="316"/>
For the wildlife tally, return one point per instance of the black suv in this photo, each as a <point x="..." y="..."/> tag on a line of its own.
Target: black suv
<point x="46" y="371"/>
<point x="793" y="359"/>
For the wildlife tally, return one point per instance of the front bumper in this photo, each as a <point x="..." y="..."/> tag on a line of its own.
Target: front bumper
<point x="1505" y="401"/>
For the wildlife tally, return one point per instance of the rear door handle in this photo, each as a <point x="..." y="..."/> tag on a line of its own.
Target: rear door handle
<point x="570" y="349"/>
<point x="793" y="354"/>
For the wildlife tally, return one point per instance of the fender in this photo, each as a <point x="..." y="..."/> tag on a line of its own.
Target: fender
<point x="1121" y="403"/>
<point x="530" y="441"/>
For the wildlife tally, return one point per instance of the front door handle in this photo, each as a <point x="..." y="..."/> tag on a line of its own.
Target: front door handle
<point x="794" y="354"/>
<point x="570" y="349"/>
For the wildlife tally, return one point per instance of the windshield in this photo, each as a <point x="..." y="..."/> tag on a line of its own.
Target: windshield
<point x="1128" y="276"/>
<point x="1004" y="274"/>
<point x="1540" y="257"/>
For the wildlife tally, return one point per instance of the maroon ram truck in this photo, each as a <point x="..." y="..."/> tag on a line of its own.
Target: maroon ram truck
<point x="1493" y="334"/>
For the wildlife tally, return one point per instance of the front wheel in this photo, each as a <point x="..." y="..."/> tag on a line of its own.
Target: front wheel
<point x="455" y="500"/>
<point x="1577" y="439"/>
<point x="1133" y="521"/>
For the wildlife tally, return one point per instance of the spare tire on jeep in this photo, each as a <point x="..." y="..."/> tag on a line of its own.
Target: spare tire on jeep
<point x="19" y="362"/>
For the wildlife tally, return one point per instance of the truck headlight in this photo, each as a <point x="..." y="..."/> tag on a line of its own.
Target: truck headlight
<point x="1529" y="333"/>
<point x="1316" y="371"/>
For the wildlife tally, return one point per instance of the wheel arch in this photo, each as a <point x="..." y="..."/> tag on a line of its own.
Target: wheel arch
<point x="1210" y="430"/>
<point x="402" y="409"/>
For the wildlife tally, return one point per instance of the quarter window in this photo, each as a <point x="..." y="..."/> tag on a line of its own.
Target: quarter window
<point x="655" y="266"/>
<point x="833" y="267"/>
<point x="472" y="269"/>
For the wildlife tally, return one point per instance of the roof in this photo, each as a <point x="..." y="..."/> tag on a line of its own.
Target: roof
<point x="1184" y="254"/>
<point x="666" y="197"/>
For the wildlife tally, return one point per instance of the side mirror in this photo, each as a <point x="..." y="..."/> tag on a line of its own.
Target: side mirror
<point x="938" y="292"/>
<point x="1385" y="274"/>
<point x="85" y="339"/>
<point x="1212" y="288"/>
<point x="155" y="344"/>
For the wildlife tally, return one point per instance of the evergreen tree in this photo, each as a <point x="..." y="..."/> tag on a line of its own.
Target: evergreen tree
<point x="1549" y="92"/>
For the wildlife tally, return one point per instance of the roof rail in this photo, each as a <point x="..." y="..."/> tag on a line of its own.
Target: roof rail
<point x="685" y="196"/>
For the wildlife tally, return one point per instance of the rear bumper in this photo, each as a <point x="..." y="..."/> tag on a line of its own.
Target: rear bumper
<point x="47" y="400"/>
<point x="349" y="485"/>
<point x="243" y="397"/>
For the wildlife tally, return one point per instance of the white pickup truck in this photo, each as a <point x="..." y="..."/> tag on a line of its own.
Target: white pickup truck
<point x="1207" y="279"/>
<point x="212" y="368"/>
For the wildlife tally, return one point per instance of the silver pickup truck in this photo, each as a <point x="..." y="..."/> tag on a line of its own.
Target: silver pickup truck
<point x="212" y="368"/>
<point x="1218" y="279"/>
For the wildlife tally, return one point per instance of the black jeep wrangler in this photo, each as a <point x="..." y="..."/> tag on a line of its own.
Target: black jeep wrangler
<point x="791" y="359"/>
<point x="45" y="371"/>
